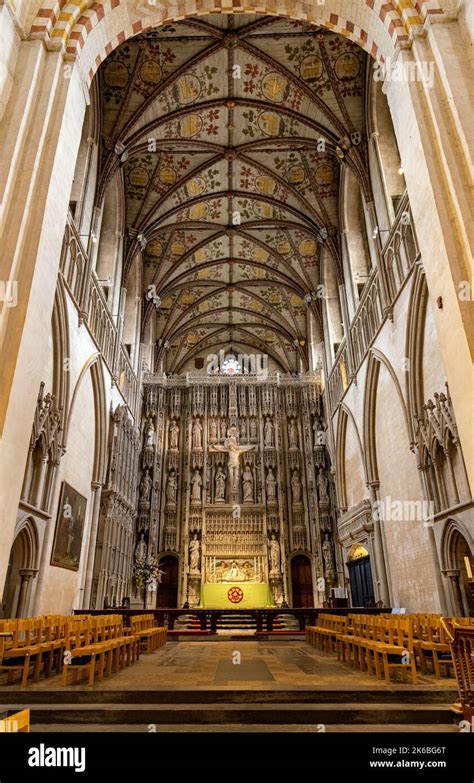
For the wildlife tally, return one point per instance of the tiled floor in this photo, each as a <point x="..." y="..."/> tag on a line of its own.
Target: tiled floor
<point x="246" y="664"/>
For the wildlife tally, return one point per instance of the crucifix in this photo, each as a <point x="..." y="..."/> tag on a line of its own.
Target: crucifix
<point x="232" y="448"/>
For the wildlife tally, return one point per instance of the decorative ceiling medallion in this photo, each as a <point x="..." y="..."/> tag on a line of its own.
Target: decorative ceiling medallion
<point x="198" y="211"/>
<point x="262" y="210"/>
<point x="265" y="184"/>
<point x="116" y="74"/>
<point x="296" y="175"/>
<point x="138" y="177"/>
<point x="347" y="67"/>
<point x="307" y="247"/>
<point x="195" y="187"/>
<point x="167" y="175"/>
<point x="154" y="249"/>
<point x="201" y="255"/>
<point x="275" y="87"/>
<point x="187" y="89"/>
<point x="151" y="72"/>
<point x="311" y="68"/>
<point x="324" y="174"/>
<point x="259" y="254"/>
<point x="284" y="247"/>
<point x="190" y="126"/>
<point x="270" y="123"/>
<point x="178" y="248"/>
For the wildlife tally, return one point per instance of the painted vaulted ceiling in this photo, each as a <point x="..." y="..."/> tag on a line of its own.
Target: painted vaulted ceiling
<point x="230" y="133"/>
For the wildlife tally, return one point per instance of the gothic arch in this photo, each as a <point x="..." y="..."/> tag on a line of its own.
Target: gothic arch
<point x="61" y="348"/>
<point x="453" y="528"/>
<point x="344" y="415"/>
<point x="94" y="364"/>
<point x="27" y="529"/>
<point x="94" y="29"/>
<point x="415" y="330"/>
<point x="23" y="567"/>
<point x="376" y="358"/>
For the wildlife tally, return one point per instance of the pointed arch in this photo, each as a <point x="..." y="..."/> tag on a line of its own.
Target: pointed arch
<point x="94" y="365"/>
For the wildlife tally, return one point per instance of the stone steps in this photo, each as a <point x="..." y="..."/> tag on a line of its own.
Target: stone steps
<point x="251" y="728"/>
<point x="197" y="714"/>
<point x="230" y="694"/>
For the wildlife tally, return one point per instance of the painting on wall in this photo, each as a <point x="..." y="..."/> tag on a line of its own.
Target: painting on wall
<point x="69" y="529"/>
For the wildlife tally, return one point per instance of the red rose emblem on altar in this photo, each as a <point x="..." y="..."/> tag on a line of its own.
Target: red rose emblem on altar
<point x="235" y="595"/>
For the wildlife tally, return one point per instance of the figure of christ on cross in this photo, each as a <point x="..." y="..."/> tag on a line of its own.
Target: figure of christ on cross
<point x="232" y="448"/>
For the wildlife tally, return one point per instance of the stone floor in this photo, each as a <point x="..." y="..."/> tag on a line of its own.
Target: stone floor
<point x="264" y="664"/>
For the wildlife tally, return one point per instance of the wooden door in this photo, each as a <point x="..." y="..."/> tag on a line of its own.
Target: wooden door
<point x="301" y="582"/>
<point x="360" y="576"/>
<point x="167" y="596"/>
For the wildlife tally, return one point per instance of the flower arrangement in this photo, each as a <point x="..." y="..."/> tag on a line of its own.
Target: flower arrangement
<point x="147" y="573"/>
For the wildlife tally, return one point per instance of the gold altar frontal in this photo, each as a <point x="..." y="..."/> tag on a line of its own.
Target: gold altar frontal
<point x="236" y="595"/>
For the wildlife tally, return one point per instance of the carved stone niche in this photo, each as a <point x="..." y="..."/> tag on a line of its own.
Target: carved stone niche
<point x="356" y="525"/>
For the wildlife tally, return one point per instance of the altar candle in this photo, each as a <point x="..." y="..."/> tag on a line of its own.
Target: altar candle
<point x="468" y="567"/>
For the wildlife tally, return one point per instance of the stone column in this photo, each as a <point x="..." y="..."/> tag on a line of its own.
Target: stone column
<point x="41" y="130"/>
<point x="379" y="549"/>
<point x="91" y="550"/>
<point x="26" y="575"/>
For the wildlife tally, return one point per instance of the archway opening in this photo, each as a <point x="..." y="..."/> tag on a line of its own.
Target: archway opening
<point x="461" y="559"/>
<point x="17" y="595"/>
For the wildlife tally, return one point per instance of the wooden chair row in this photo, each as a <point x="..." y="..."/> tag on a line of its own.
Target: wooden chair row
<point x="151" y="636"/>
<point x="379" y="643"/>
<point x="326" y="635"/>
<point x="98" y="646"/>
<point x="388" y="641"/>
<point x="31" y="643"/>
<point x="80" y="643"/>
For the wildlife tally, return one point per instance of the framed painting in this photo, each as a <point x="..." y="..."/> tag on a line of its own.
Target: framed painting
<point x="69" y="530"/>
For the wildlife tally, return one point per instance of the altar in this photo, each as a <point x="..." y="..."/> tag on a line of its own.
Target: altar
<point x="237" y="595"/>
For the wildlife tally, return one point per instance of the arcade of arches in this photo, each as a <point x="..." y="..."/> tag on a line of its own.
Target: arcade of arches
<point x="236" y="323"/>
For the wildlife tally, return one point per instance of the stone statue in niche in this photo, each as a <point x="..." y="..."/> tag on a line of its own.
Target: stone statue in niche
<point x="275" y="555"/>
<point x="271" y="485"/>
<point x="293" y="434"/>
<point x="171" y="486"/>
<point x="318" y="433"/>
<point x="197" y="435"/>
<point x="268" y="433"/>
<point x="150" y="435"/>
<point x="141" y="549"/>
<point x="194" y="554"/>
<point x="296" y="487"/>
<point x="253" y="429"/>
<point x="328" y="558"/>
<point x="174" y="435"/>
<point x="220" y="484"/>
<point x="212" y="431"/>
<point x="145" y="486"/>
<point x="247" y="484"/>
<point x="223" y="428"/>
<point x="322" y="483"/>
<point x="196" y="483"/>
